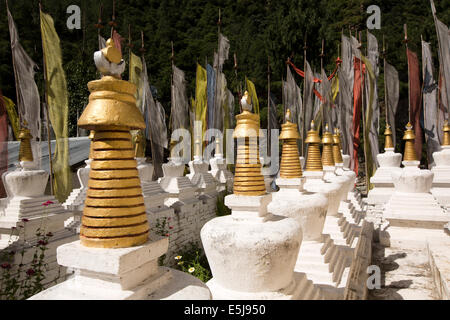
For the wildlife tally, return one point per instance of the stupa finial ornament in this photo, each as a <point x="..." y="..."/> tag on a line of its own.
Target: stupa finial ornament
<point x="25" y="151"/>
<point x="327" y="153"/>
<point x="114" y="213"/>
<point x="446" y="130"/>
<point x="248" y="180"/>
<point x="290" y="161"/>
<point x="388" y="142"/>
<point x="246" y="102"/>
<point x="314" y="158"/>
<point x="409" y="137"/>
<point x="337" y="155"/>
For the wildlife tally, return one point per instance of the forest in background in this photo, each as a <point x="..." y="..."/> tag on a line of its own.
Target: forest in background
<point x="256" y="29"/>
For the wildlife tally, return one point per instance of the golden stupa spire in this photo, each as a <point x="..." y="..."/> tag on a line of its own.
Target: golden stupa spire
<point x="314" y="158"/>
<point x="290" y="160"/>
<point x="388" y="142"/>
<point x="327" y="152"/>
<point x="409" y="137"/>
<point x="446" y="129"/>
<point x="114" y="213"/>
<point x="337" y="155"/>
<point x="25" y="151"/>
<point x="248" y="180"/>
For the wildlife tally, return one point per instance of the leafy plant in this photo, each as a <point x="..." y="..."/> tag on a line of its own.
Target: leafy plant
<point x="192" y="260"/>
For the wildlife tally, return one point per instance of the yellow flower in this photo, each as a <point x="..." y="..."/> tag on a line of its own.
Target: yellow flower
<point x="191" y="270"/>
<point x="178" y="257"/>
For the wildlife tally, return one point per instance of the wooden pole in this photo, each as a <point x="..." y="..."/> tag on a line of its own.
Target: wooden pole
<point x="405" y="27"/>
<point x="268" y="108"/>
<point x="304" y="97"/>
<point x="52" y="191"/>
<point x="363" y="80"/>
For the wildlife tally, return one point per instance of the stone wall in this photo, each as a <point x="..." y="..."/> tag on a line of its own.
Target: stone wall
<point x="184" y="220"/>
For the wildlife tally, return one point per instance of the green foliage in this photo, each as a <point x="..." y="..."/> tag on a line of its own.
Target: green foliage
<point x="222" y="209"/>
<point x="191" y="259"/>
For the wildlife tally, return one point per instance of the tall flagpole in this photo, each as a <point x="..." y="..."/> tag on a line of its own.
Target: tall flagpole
<point x="268" y="108"/>
<point x="47" y="113"/>
<point x="304" y="96"/>
<point x="15" y="75"/>
<point x="322" y="55"/>
<point x="363" y="80"/>
<point x="405" y="27"/>
<point x="386" y="98"/>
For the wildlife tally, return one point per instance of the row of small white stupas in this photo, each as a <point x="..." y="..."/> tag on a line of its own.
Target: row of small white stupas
<point x="410" y="206"/>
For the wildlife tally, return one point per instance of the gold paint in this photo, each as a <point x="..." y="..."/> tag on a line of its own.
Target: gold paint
<point x="290" y="160"/>
<point x="108" y="182"/>
<point x="247" y="98"/>
<point x="248" y="179"/>
<point x="446" y="134"/>
<point x="327" y="152"/>
<point x="114" y="215"/>
<point x="113" y="222"/>
<point x="117" y="231"/>
<point x="409" y="137"/>
<point x="314" y="158"/>
<point x="115" y="242"/>
<point x="388" y="142"/>
<point x="111" y="103"/>
<point x="111" y="53"/>
<point x="25" y="151"/>
<point x="113" y="212"/>
<point x="114" y="174"/>
<point x="337" y="155"/>
<point x="139" y="144"/>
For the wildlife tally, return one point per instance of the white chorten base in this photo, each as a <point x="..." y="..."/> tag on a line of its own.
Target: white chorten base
<point x="308" y="209"/>
<point x="202" y="179"/>
<point x="412" y="204"/>
<point x="383" y="186"/>
<point x="441" y="182"/>
<point x="333" y="191"/>
<point x="122" y="274"/>
<point x="221" y="174"/>
<point x="252" y="253"/>
<point x="177" y="186"/>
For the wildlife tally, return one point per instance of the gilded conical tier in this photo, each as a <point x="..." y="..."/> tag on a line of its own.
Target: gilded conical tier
<point x="327" y="152"/>
<point x="388" y="142"/>
<point x="290" y="161"/>
<point x="25" y="151"/>
<point x="446" y="134"/>
<point x="337" y="155"/>
<point x="248" y="180"/>
<point x="314" y="158"/>
<point x="410" y="151"/>
<point x="114" y="213"/>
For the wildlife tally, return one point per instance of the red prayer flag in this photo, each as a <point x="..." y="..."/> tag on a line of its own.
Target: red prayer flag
<point x="357" y="108"/>
<point x="415" y="99"/>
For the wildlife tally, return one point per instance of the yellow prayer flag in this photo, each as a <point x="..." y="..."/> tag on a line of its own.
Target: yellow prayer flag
<point x="335" y="87"/>
<point x="12" y="115"/>
<point x="58" y="106"/>
<point x="252" y="92"/>
<point x="136" y="79"/>
<point x="200" y="97"/>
